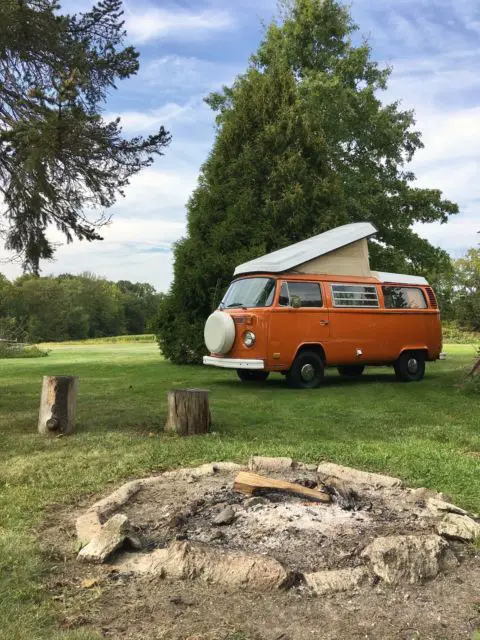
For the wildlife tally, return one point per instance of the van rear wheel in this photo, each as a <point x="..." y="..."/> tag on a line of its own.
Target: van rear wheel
<point x="307" y="371"/>
<point x="252" y="375"/>
<point x="410" y="366"/>
<point x="351" y="370"/>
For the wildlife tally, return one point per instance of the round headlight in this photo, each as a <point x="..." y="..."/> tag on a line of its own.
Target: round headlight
<point x="249" y="338"/>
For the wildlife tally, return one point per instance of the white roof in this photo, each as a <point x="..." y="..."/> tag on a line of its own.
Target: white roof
<point x="290" y="257"/>
<point x="398" y="278"/>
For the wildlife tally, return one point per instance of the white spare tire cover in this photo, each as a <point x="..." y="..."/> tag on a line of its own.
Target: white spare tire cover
<point x="219" y="332"/>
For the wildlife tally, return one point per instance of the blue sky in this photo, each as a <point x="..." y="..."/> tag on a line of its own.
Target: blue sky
<point x="191" y="47"/>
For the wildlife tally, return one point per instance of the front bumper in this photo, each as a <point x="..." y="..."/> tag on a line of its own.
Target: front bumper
<point x="234" y="363"/>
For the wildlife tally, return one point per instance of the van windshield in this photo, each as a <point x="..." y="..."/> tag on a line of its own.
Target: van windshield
<point x="249" y="292"/>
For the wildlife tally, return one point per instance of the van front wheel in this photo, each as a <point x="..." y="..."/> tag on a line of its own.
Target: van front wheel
<point x="307" y="371"/>
<point x="252" y="375"/>
<point x="410" y="366"/>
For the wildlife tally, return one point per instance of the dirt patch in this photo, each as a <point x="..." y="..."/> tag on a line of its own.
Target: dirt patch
<point x="303" y="537"/>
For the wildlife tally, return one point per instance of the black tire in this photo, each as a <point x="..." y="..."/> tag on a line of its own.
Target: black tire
<point x="410" y="366"/>
<point x="351" y="370"/>
<point x="306" y="364"/>
<point x="252" y="375"/>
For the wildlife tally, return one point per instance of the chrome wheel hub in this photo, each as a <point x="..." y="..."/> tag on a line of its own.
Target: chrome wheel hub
<point x="412" y="365"/>
<point x="307" y="372"/>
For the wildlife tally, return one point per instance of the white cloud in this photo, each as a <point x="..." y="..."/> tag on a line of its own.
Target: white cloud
<point x="137" y="244"/>
<point x="192" y="111"/>
<point x="153" y="23"/>
<point x="187" y="74"/>
<point x="155" y="194"/>
<point x="135" y="249"/>
<point x="459" y="234"/>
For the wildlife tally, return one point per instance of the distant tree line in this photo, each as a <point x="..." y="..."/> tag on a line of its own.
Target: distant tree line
<point x="69" y="307"/>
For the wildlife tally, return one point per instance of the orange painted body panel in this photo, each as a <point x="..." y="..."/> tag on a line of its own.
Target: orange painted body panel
<point x="347" y="335"/>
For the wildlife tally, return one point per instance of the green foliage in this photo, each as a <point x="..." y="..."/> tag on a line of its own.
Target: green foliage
<point x="303" y="144"/>
<point x="12" y="350"/>
<point x="467" y="277"/>
<point x="454" y="334"/>
<point x="58" y="155"/>
<point x="51" y="309"/>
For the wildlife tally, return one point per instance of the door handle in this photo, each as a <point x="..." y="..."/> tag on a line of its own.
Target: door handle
<point x="323" y="322"/>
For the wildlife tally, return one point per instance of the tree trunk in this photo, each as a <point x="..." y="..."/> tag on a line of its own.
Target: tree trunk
<point x="188" y="412"/>
<point x="57" y="405"/>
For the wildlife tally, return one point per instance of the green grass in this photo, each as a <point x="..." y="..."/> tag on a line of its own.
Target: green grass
<point x="143" y="338"/>
<point x="423" y="432"/>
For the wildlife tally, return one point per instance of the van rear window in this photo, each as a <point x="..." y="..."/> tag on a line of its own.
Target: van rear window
<point x="354" y="295"/>
<point x="404" y="298"/>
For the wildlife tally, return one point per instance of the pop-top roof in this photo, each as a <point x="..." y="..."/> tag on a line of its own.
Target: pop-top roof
<point x="290" y="257"/>
<point x="297" y="254"/>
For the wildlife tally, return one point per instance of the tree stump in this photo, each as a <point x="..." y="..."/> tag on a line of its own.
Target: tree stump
<point x="188" y="412"/>
<point x="57" y="405"/>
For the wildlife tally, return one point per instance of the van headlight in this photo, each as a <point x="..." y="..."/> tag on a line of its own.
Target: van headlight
<point x="249" y="338"/>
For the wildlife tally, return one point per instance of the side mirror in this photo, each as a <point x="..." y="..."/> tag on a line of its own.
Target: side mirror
<point x="295" y="302"/>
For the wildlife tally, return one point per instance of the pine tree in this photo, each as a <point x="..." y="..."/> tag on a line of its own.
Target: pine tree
<point x="59" y="158"/>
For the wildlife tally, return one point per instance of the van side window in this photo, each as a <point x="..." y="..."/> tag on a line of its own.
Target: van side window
<point x="404" y="298"/>
<point x="308" y="292"/>
<point x="354" y="295"/>
<point x="284" y="298"/>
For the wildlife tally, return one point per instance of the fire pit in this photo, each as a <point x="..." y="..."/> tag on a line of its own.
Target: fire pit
<point x="348" y="528"/>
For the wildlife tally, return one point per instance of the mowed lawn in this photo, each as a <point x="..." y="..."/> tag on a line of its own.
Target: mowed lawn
<point x="427" y="433"/>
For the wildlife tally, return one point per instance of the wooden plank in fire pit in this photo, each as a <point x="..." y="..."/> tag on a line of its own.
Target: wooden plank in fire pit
<point x="248" y="483"/>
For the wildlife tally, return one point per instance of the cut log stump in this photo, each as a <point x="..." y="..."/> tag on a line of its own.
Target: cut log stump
<point x="188" y="412"/>
<point x="57" y="405"/>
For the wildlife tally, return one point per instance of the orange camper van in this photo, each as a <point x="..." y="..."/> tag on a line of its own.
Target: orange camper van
<point x="317" y="304"/>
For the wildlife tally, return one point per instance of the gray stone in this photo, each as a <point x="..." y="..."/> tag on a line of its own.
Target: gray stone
<point x="440" y="506"/>
<point x="355" y="477"/>
<point x="111" y="537"/>
<point x="406" y="558"/>
<point x="458" y="527"/>
<point x="274" y="465"/>
<point x="323" y="582"/>
<point x="254" y="501"/>
<point x="187" y="560"/>
<point x="228" y="467"/>
<point x="88" y="526"/>
<point x="423" y="494"/>
<point x="226" y="516"/>
<point x="305" y="466"/>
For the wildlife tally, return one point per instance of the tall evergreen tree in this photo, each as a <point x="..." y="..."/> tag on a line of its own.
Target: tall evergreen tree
<point x="59" y="158"/>
<point x="303" y="144"/>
